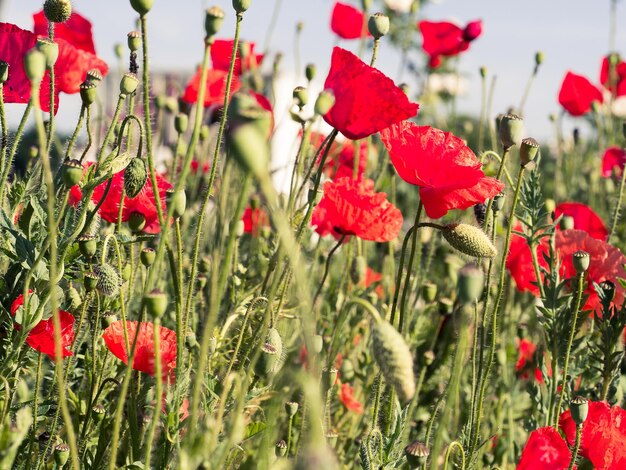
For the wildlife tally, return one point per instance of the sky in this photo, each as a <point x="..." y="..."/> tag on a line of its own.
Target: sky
<point x="573" y="34"/>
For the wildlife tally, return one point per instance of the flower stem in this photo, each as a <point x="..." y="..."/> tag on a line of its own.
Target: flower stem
<point x="156" y="414"/>
<point x="579" y="432"/>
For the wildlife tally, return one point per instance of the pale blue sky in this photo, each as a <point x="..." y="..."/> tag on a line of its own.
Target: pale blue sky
<point x="574" y="34"/>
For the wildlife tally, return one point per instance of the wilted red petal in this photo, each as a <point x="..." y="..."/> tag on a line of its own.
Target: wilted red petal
<point x="215" y="87"/>
<point x="348" y="22"/>
<point x="577" y="94"/>
<point x="545" y="450"/>
<point x="221" y="53"/>
<point x="77" y="30"/>
<point x="613" y="160"/>
<point x="584" y="217"/>
<point x="366" y="101"/>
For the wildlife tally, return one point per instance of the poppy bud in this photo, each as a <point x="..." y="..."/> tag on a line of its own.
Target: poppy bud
<point x="498" y="202"/>
<point x="567" y="222"/>
<point x="510" y="130"/>
<point x="108" y="319"/>
<point x="88" y="93"/>
<point x="281" y="448"/>
<point x="129" y="84"/>
<point x="366" y="4"/>
<point x="4" y="71"/>
<point x="608" y="290"/>
<point x="156" y="303"/>
<point x="98" y="412"/>
<point x="141" y="6"/>
<point x="429" y="292"/>
<point x="416" y="454"/>
<point x="159" y="101"/>
<point x="118" y="50"/>
<point x="550" y="205"/>
<point x="324" y="102"/>
<point x="135" y="177"/>
<point x="347" y="370"/>
<point x="241" y="5"/>
<point x="136" y="221"/>
<point x="190" y="340"/>
<point x="267" y="361"/>
<point x="358" y="269"/>
<point x="300" y="96"/>
<point x="378" y="25"/>
<point x="88" y="245"/>
<point x="394" y="359"/>
<point x="329" y="378"/>
<point x="90" y="280"/>
<point x="205" y="131"/>
<point x="472" y="31"/>
<point x="405" y="89"/>
<point x="181" y="123"/>
<point x="483" y="71"/>
<point x="470" y="283"/>
<point x="528" y="150"/>
<point x="71" y="172"/>
<point x="61" y="454"/>
<point x="127" y="270"/>
<point x="291" y="407"/>
<point x="57" y="11"/>
<point x="579" y="408"/>
<point x="35" y="65"/>
<point x="429" y="357"/>
<point x="318" y="344"/>
<point x="331" y="438"/>
<point x="213" y="20"/>
<point x="108" y="280"/>
<point x="134" y="41"/>
<point x="274" y="339"/>
<point x="581" y="261"/>
<point x="309" y="71"/>
<point x="248" y="146"/>
<point x="240" y="228"/>
<point x="179" y="200"/>
<point x="49" y="49"/>
<point x="147" y="256"/>
<point x="469" y="240"/>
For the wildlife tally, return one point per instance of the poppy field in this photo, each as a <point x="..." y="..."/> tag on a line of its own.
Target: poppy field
<point x="427" y="289"/>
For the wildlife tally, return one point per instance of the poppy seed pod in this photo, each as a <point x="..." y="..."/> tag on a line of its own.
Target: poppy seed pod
<point x="300" y="96"/>
<point x="94" y="76"/>
<point x="309" y="71"/>
<point x="98" y="412"/>
<point x="147" y="256"/>
<point x="358" y="268"/>
<point x="4" y="71"/>
<point x="57" y="11"/>
<point x="136" y="221"/>
<point x="181" y="123"/>
<point x="156" y="303"/>
<point x="88" y="245"/>
<point x="35" y="65"/>
<point x="134" y="40"/>
<point x="291" y="407"/>
<point x="469" y="240"/>
<point x="71" y="172"/>
<point x="129" y="84"/>
<point x="528" y="150"/>
<point x="213" y="20"/>
<point x="324" y="102"/>
<point x="581" y="261"/>
<point x="378" y="25"/>
<point x="49" y="49"/>
<point x="539" y="57"/>
<point x="394" y="359"/>
<point x="470" y="283"/>
<point x="90" y="280"/>
<point x="579" y="408"/>
<point x="88" y="92"/>
<point x="498" y="202"/>
<point x="109" y="281"/>
<point x="141" y="6"/>
<point x="61" y="454"/>
<point x="416" y="454"/>
<point x="135" y="177"/>
<point x="241" y="5"/>
<point x="281" y="448"/>
<point x="510" y="130"/>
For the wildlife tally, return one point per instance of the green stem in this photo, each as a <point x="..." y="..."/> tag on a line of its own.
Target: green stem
<point x="35" y="404"/>
<point x="79" y="125"/>
<point x="156" y="414"/>
<point x="407" y="281"/>
<point x="618" y="207"/>
<point x="451" y="447"/>
<point x="327" y="267"/>
<point x="50" y="136"/>
<point x="579" y="432"/>
<point x="375" y="52"/>
<point x="16" y="141"/>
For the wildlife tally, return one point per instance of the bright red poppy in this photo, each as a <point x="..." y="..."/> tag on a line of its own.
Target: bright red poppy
<point x="72" y="66"/>
<point x="143" y="203"/>
<point x="366" y="101"/>
<point x="526" y="360"/>
<point x="603" y="436"/>
<point x="584" y="217"/>
<point x="348" y="22"/>
<point x="346" y="396"/>
<point x="616" y="85"/>
<point x="340" y="160"/>
<point x="222" y="50"/>
<point x="442" y="38"/>
<point x="373" y="278"/>
<point x="143" y="360"/>
<point x="545" y="450"/>
<point x="352" y="207"/>
<point x="254" y="220"/>
<point x="77" y="30"/>
<point x="577" y="94"/>
<point x="446" y="170"/>
<point x="613" y="161"/>
<point x="215" y="87"/>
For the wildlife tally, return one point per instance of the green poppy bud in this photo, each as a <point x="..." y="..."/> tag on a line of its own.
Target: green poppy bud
<point x="88" y="92"/>
<point x="135" y="177"/>
<point x="469" y="240"/>
<point x="4" y="71"/>
<point x="567" y="222"/>
<point x="281" y="448"/>
<point x="248" y="146"/>
<point x="347" y="370"/>
<point x="141" y="6"/>
<point x="325" y="101"/>
<point x="318" y="344"/>
<point x="581" y="261"/>
<point x="57" y="11"/>
<point x="378" y="25"/>
<point x="61" y="454"/>
<point x="156" y="303"/>
<point x="49" y="49"/>
<point x="498" y="202"/>
<point x="470" y="283"/>
<point x="179" y="200"/>
<point x="241" y="5"/>
<point x="108" y="280"/>
<point x="118" y="50"/>
<point x="483" y="71"/>
<point x="309" y="71"/>
<point x="134" y="41"/>
<point x="181" y="123"/>
<point x="88" y="245"/>
<point x="539" y="57"/>
<point x="129" y="84"/>
<point x="358" y="269"/>
<point x="71" y="172"/>
<point x="268" y="361"/>
<point x="429" y="292"/>
<point x="147" y="256"/>
<point x="35" y="65"/>
<point x="300" y="96"/>
<point x="579" y="408"/>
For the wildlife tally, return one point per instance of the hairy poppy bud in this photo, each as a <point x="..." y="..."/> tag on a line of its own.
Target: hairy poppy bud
<point x="141" y="6"/>
<point x="118" y="50"/>
<point x="281" y="448"/>
<point x="136" y="221"/>
<point x="109" y="281"/>
<point x="147" y="256"/>
<point x="416" y="454"/>
<point x="394" y="359"/>
<point x="57" y="11"/>
<point x="248" y="146"/>
<point x="510" y="130"/>
<point x="470" y="283"/>
<point x="135" y="177"/>
<point x="579" y="408"/>
<point x="528" y="150"/>
<point x="469" y="240"/>
<point x="181" y="123"/>
<point x="241" y="5"/>
<point x="567" y="222"/>
<point x="268" y="361"/>
<point x="358" y="269"/>
<point x="35" y="65"/>
<point x="98" y="412"/>
<point x="274" y="339"/>
<point x="71" y="172"/>
<point x="156" y="303"/>
<point x="429" y="292"/>
<point x="4" y="71"/>
<point x="61" y="454"/>
<point x="347" y="370"/>
<point x="88" y="245"/>
<point x="129" y="84"/>
<point x="134" y="41"/>
<point x="581" y="261"/>
<point x="309" y="71"/>
<point x="49" y="49"/>
<point x="300" y="96"/>
<point x="324" y="102"/>
<point x="213" y="21"/>
<point x="179" y="200"/>
<point x="88" y="92"/>
<point x="378" y="25"/>
<point x="291" y="407"/>
<point x="318" y="344"/>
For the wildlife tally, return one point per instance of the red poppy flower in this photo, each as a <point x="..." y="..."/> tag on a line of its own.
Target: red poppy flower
<point x="143" y="203"/>
<point x="348" y="22"/>
<point x="254" y="220"/>
<point x="366" y="101"/>
<point x="613" y="160"/>
<point x="577" y="94"/>
<point x="195" y="166"/>
<point x="72" y="66"/>
<point x="545" y="450"/>
<point x="215" y="88"/>
<point x="618" y="84"/>
<point x="603" y="436"/>
<point x="351" y="207"/>
<point x="373" y="278"/>
<point x="76" y="30"/>
<point x="442" y="38"/>
<point x="340" y="160"/>
<point x="144" y="351"/>
<point x="76" y="194"/>
<point x="222" y="50"/>
<point x="519" y="263"/>
<point x="446" y="170"/>
<point x="584" y="217"/>
<point x="346" y="396"/>
<point x="526" y="360"/>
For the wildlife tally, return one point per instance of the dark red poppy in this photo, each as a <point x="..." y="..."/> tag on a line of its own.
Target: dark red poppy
<point x="215" y="88"/>
<point x="616" y="84"/>
<point x="613" y="161"/>
<point x="341" y="162"/>
<point x="545" y="450"/>
<point x="348" y="22"/>
<point x="446" y="170"/>
<point x="143" y="203"/>
<point x="76" y="194"/>
<point x="222" y="50"/>
<point x="144" y="351"/>
<point x="442" y="38"/>
<point x="577" y="94"/>
<point x="366" y="101"/>
<point x="195" y="167"/>
<point x="352" y="207"/>
<point x="603" y="436"/>
<point x="373" y="278"/>
<point x="77" y="30"/>
<point x="254" y="220"/>
<point x="526" y="360"/>
<point x="584" y="217"/>
<point x="346" y="396"/>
